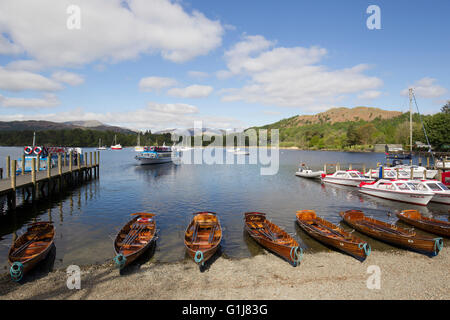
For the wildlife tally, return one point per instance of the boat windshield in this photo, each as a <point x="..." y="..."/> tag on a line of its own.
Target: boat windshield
<point x="416" y="186"/>
<point x="403" y="186"/>
<point x="443" y="186"/>
<point x="355" y="174"/>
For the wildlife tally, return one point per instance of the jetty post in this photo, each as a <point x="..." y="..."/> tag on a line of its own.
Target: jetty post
<point x="12" y="194"/>
<point x="8" y="167"/>
<point x="412" y="173"/>
<point x="350" y="166"/>
<point x="33" y="178"/>
<point x="23" y="164"/>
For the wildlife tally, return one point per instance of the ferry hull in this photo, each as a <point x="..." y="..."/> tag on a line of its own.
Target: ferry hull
<point x="345" y="182"/>
<point x="143" y="161"/>
<point x="443" y="198"/>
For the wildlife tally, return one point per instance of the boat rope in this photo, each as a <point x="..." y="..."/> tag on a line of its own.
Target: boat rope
<point x="366" y="247"/>
<point x="16" y="271"/>
<point x="120" y="260"/>
<point x="295" y="255"/>
<point x="438" y="244"/>
<point x="198" y="256"/>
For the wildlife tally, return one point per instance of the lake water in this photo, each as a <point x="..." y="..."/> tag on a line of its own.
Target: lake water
<point x="88" y="217"/>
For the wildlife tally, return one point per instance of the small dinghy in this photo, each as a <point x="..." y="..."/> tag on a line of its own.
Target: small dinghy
<point x="272" y="237"/>
<point x="305" y="172"/>
<point x="202" y="237"/>
<point x="330" y="234"/>
<point x="390" y="233"/>
<point x="413" y="217"/>
<point x="30" y="248"/>
<point x="134" y="238"/>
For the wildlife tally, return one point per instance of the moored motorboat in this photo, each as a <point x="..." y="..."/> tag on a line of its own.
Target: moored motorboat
<point x="413" y="217"/>
<point x="345" y="177"/>
<point x="418" y="172"/>
<point x="134" y="238"/>
<point x="440" y="190"/>
<point x="392" y="234"/>
<point x="387" y="173"/>
<point x="203" y="236"/>
<point x="306" y="172"/>
<point x="330" y="234"/>
<point x="443" y="163"/>
<point x="272" y="237"/>
<point x="411" y="191"/>
<point x="30" y="248"/>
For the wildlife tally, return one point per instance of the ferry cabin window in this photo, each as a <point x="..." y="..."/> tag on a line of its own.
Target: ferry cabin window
<point x="402" y="186"/>
<point x="385" y="186"/>
<point x="443" y="186"/>
<point x="353" y="175"/>
<point x="434" y="186"/>
<point x="340" y="174"/>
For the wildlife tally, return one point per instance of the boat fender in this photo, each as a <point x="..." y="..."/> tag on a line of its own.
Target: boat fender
<point x="366" y="247"/>
<point x="120" y="260"/>
<point x="198" y="256"/>
<point x="37" y="150"/>
<point x="28" y="150"/>
<point x="295" y="255"/>
<point x="438" y="244"/>
<point x="16" y="271"/>
<point x="323" y="175"/>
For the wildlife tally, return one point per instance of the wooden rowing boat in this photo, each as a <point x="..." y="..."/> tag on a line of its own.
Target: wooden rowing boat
<point x="272" y="237"/>
<point x="134" y="238"/>
<point x="413" y="217"/>
<point x="390" y="233"/>
<point x="332" y="235"/>
<point x="202" y="237"/>
<point x="30" y="248"/>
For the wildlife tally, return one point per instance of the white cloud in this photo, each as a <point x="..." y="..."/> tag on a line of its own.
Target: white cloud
<point x="272" y="113"/>
<point x="198" y="74"/>
<point x="7" y="47"/>
<point x="151" y="83"/>
<point x="48" y="101"/>
<point x="68" y="77"/>
<point x="369" y="95"/>
<point x="194" y="91"/>
<point x="16" y="80"/>
<point x="109" y="32"/>
<point x="426" y="88"/>
<point x="290" y="77"/>
<point x="154" y="116"/>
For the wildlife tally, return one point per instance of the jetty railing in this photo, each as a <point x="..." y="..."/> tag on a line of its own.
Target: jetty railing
<point x="42" y="183"/>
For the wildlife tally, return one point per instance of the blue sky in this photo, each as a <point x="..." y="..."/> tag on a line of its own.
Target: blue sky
<point x="159" y="64"/>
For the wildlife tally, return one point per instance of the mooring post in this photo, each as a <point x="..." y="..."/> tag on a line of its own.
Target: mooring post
<point x="70" y="161"/>
<point x="364" y="168"/>
<point x="49" y="166"/>
<point x="38" y="163"/>
<point x="95" y="164"/>
<point x="440" y="172"/>
<point x="382" y="172"/>
<point x="397" y="170"/>
<point x="59" y="164"/>
<point x="412" y="173"/>
<point x="325" y="168"/>
<point x="8" y="167"/>
<point x="425" y="174"/>
<point x="428" y="162"/>
<point x="98" y="164"/>
<point x="420" y="160"/>
<point x="33" y="177"/>
<point x="1" y="173"/>
<point x="65" y="159"/>
<point x="85" y="162"/>
<point x="23" y="164"/>
<point x="350" y="166"/>
<point x="12" y="200"/>
<point x="370" y="170"/>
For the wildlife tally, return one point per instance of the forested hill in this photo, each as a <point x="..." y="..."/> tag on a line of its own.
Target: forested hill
<point x="359" y="128"/>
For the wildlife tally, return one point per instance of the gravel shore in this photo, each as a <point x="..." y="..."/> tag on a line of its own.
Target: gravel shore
<point x="325" y="275"/>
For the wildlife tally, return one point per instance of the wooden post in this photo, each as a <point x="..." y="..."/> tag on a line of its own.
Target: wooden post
<point x="8" y="167"/>
<point x="440" y="174"/>
<point x="38" y="163"/>
<point x="13" y="175"/>
<point x="22" y="167"/>
<point x="370" y="170"/>
<point x="364" y="168"/>
<point x="49" y="165"/>
<point x="95" y="164"/>
<point x="1" y="173"/>
<point x="70" y="161"/>
<point x="65" y="159"/>
<point x="412" y="173"/>
<point x="325" y="168"/>
<point x="90" y="159"/>
<point x="338" y="166"/>
<point x="59" y="164"/>
<point x="428" y="162"/>
<point x="397" y="169"/>
<point x="420" y="160"/>
<point x="85" y="162"/>
<point x="79" y="161"/>
<point x="425" y="174"/>
<point x="33" y="177"/>
<point x="350" y="167"/>
<point x="382" y="172"/>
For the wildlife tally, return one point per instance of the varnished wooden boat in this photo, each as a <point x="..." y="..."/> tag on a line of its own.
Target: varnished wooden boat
<point x="413" y="217"/>
<point x="202" y="237"/>
<point x="391" y="233"/>
<point x="30" y="248"/>
<point x="272" y="237"/>
<point x="134" y="238"/>
<point x="332" y="235"/>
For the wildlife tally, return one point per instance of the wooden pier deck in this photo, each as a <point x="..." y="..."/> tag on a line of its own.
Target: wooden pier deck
<point x="38" y="184"/>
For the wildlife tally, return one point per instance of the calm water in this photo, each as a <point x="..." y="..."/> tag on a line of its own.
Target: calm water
<point x="88" y="217"/>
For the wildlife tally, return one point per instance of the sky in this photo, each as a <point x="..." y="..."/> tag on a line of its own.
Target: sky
<point x="159" y="64"/>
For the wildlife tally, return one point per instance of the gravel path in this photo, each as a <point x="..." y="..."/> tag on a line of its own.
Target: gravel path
<point x="326" y="275"/>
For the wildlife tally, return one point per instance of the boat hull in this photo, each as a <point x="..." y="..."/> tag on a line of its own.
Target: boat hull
<point x="443" y="198"/>
<point x="344" y="182"/>
<point x="438" y="227"/>
<point x="391" y="233"/>
<point x="414" y="198"/>
<point x="147" y="161"/>
<point x="310" y="175"/>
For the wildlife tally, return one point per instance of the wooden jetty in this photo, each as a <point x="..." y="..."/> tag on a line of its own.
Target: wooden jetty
<point x="38" y="184"/>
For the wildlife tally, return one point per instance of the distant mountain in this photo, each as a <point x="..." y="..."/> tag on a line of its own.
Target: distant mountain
<point x="335" y="115"/>
<point x="34" y="125"/>
<point x="190" y="131"/>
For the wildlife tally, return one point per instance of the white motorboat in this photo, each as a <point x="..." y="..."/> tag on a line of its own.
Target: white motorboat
<point x="418" y="171"/>
<point x="155" y="155"/>
<point x="441" y="192"/>
<point x="347" y="178"/>
<point x="305" y="172"/>
<point x="411" y="191"/>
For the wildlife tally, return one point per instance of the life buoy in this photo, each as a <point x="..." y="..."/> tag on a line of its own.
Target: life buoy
<point x="28" y="150"/>
<point x="37" y="150"/>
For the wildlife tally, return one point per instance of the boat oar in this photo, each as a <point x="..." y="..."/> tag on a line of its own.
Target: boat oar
<point x="26" y="244"/>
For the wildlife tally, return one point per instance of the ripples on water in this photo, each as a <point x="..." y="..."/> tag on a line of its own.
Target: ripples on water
<point x="87" y="218"/>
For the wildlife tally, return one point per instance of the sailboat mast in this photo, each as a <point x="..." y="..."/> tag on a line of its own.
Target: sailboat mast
<point x="34" y="139"/>
<point x="410" y="119"/>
